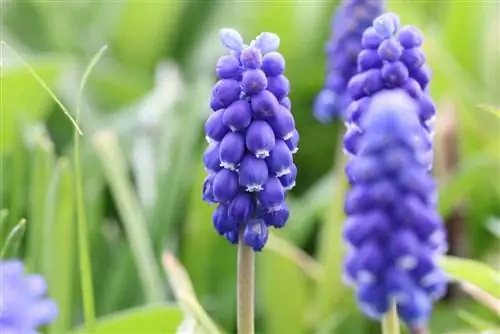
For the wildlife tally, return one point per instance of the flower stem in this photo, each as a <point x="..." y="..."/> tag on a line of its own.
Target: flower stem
<point x="390" y="322"/>
<point x="245" y="317"/>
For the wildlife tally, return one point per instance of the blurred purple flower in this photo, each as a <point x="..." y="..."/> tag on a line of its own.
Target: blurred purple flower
<point x="391" y="59"/>
<point x="349" y="22"/>
<point x="23" y="306"/>
<point x="252" y="139"/>
<point x="393" y="230"/>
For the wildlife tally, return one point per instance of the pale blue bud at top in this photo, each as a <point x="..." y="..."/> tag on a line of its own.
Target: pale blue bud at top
<point x="251" y="57"/>
<point x="385" y="25"/>
<point x="253" y="173"/>
<point x="272" y="193"/>
<point x="280" y="159"/>
<point x="231" y="150"/>
<point x="225" y="185"/>
<point x="215" y="129"/>
<point x="260" y="139"/>
<point x="267" y="42"/>
<point x="231" y="39"/>
<point x="238" y="115"/>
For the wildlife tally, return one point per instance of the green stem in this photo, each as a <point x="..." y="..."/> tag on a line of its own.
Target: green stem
<point x="246" y="268"/>
<point x="390" y="322"/>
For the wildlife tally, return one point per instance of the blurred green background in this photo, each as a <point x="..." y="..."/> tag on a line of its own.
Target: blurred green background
<point x="142" y="115"/>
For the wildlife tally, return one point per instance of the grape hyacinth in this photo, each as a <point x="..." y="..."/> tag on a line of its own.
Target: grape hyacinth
<point x="23" y="307"/>
<point x="391" y="58"/>
<point x="252" y="138"/>
<point x="348" y="24"/>
<point x="393" y="230"/>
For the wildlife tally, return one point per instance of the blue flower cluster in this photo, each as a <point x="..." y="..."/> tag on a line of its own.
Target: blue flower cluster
<point x="252" y="137"/>
<point x="348" y="25"/>
<point x="23" y="307"/>
<point x="391" y="58"/>
<point x="393" y="229"/>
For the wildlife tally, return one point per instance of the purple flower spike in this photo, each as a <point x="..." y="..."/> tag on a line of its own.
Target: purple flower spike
<point x="225" y="92"/>
<point x="264" y="105"/>
<point x="228" y="67"/>
<point x="349" y="23"/>
<point x="272" y="193"/>
<point x="280" y="159"/>
<point x="215" y="129"/>
<point x="23" y="305"/>
<point x="260" y="139"/>
<point x="393" y="229"/>
<point x="283" y="123"/>
<point x="238" y="115"/>
<point x="288" y="180"/>
<point x="254" y="82"/>
<point x="273" y="64"/>
<point x="231" y="150"/>
<point x="256" y="234"/>
<point x="225" y="185"/>
<point x="251" y="58"/>
<point x="252" y="139"/>
<point x="253" y="173"/>
<point x="211" y="158"/>
<point x="277" y="216"/>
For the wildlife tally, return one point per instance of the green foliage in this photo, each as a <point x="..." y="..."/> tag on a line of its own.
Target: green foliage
<point x="97" y="225"/>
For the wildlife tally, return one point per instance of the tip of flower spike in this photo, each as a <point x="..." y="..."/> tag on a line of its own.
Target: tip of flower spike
<point x="267" y="42"/>
<point x="386" y="24"/>
<point x="392" y="108"/>
<point x="231" y="39"/>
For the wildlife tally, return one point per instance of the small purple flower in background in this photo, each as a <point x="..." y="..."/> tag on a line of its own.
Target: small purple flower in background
<point x="23" y="306"/>
<point x="391" y="58"/>
<point x="393" y="230"/>
<point x="252" y="139"/>
<point x="349" y="22"/>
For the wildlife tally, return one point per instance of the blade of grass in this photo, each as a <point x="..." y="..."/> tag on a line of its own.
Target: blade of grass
<point x="47" y="89"/>
<point x="4" y="213"/>
<point x="41" y="167"/>
<point x="129" y="208"/>
<point x="185" y="295"/>
<point x="482" y="297"/>
<point x="62" y="253"/>
<point x="83" y="243"/>
<point x="475" y="321"/>
<point x="11" y="244"/>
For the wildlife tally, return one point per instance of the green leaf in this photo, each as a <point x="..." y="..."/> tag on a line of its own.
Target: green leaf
<point x="152" y="319"/>
<point x="473" y="272"/>
<point x="184" y="293"/>
<point x="130" y="210"/>
<point x="277" y="276"/>
<point x="330" y="293"/>
<point x="475" y="321"/>
<point x="18" y="110"/>
<point x="11" y="245"/>
<point x="490" y="109"/>
<point x="41" y="168"/>
<point x="60" y="277"/>
<point x="145" y="26"/>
